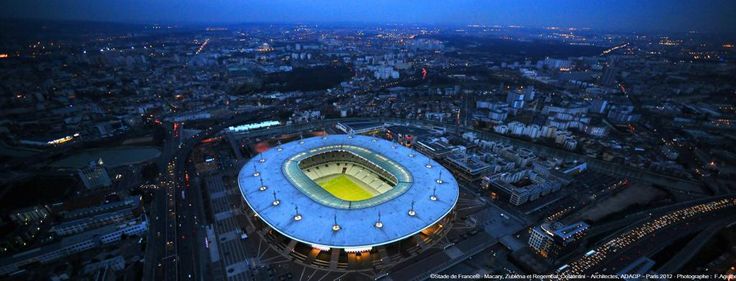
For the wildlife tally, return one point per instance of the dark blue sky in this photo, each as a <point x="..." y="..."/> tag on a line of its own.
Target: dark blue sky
<point x="630" y="15"/>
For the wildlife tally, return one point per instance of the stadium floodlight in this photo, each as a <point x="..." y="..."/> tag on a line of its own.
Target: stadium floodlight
<point x="335" y="227"/>
<point x="297" y="216"/>
<point x="276" y="201"/>
<point x="255" y="171"/>
<point x="379" y="223"/>
<point x="263" y="187"/>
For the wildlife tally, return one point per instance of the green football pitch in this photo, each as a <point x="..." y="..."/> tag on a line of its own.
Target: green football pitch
<point x="345" y="188"/>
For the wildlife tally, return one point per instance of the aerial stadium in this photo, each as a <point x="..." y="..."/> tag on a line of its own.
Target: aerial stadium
<point x="348" y="202"/>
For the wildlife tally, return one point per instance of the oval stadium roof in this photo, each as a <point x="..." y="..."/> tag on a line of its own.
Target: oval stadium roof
<point x="277" y="170"/>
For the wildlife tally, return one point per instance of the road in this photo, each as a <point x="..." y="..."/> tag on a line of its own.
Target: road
<point x="613" y="252"/>
<point x="175" y="245"/>
<point x="692" y="248"/>
<point x="161" y="255"/>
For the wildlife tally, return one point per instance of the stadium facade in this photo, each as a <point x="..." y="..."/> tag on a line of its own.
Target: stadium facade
<point x="324" y="200"/>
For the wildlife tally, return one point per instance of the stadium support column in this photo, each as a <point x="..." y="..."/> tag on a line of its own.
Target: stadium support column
<point x="384" y="255"/>
<point x="289" y="248"/>
<point x="334" y="256"/>
<point x="420" y="242"/>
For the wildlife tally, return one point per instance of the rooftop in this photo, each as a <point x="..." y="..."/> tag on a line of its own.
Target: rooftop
<point x="359" y="125"/>
<point x="318" y="213"/>
<point x="469" y="163"/>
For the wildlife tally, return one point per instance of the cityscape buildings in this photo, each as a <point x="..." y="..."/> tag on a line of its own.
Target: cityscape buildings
<point x="381" y="150"/>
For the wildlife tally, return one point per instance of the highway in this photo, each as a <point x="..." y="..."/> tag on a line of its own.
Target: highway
<point x="611" y="250"/>
<point x="175" y="245"/>
<point x="161" y="252"/>
<point x="688" y="252"/>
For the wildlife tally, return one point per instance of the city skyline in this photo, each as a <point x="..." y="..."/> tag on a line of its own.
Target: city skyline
<point x="627" y="15"/>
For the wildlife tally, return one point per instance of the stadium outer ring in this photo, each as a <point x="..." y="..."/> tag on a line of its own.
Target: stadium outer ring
<point x="276" y="205"/>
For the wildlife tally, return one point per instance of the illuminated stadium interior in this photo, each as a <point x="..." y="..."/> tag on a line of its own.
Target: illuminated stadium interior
<point x="370" y="178"/>
<point x="348" y="176"/>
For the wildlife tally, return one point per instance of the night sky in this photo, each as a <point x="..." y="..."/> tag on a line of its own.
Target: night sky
<point x="625" y="15"/>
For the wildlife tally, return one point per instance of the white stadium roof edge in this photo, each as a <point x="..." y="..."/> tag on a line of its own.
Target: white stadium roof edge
<point x="357" y="226"/>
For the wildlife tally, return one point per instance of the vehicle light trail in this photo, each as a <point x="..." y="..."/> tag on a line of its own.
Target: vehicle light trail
<point x="627" y="238"/>
<point x="201" y="47"/>
<point x="609" y="50"/>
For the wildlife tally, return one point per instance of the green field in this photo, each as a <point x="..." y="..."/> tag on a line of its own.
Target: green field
<point x="345" y="188"/>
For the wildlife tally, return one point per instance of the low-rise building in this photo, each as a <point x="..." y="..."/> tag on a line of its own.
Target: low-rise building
<point x="553" y="238"/>
<point x="72" y="245"/>
<point x="521" y="186"/>
<point x="434" y="148"/>
<point x="468" y="167"/>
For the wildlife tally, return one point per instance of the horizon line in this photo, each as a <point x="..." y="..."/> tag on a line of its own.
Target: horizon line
<point x="211" y="23"/>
